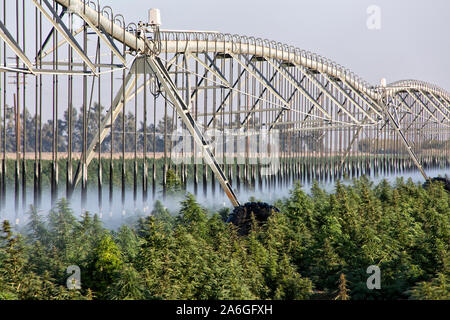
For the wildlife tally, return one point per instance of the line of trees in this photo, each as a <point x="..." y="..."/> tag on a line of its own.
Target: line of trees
<point x="317" y="246"/>
<point x="47" y="131"/>
<point x="311" y="141"/>
<point x="390" y="146"/>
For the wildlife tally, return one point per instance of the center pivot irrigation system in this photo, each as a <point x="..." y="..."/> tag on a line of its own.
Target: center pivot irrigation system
<point x="327" y="120"/>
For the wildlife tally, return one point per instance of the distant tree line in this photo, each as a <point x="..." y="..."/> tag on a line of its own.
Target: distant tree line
<point x="390" y="146"/>
<point x="305" y="140"/>
<point x="155" y="135"/>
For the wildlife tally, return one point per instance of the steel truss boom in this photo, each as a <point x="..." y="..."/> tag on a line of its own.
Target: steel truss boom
<point x="327" y="119"/>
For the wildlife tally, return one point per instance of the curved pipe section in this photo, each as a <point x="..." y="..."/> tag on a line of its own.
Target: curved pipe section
<point x="200" y="42"/>
<point x="203" y="42"/>
<point x="394" y="87"/>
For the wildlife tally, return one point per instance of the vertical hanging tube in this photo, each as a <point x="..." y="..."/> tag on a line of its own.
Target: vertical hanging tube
<point x="24" y="125"/>
<point x="124" y="116"/>
<point x="184" y="165"/>
<point x="205" y="122"/>
<point x="17" y="122"/>
<point x="4" y="160"/>
<point x="231" y="139"/>
<point x="135" y="166"/>
<point x="52" y="162"/>
<point x="69" y="176"/>
<point x="17" y="160"/>
<point x="247" y="125"/>
<point x="54" y="124"/>
<point x="239" y="132"/>
<point x="111" y="147"/>
<point x="174" y="117"/>
<point x="222" y="123"/>
<point x="39" y="164"/>
<point x="214" y="106"/>
<point x="164" y="175"/>
<point x="154" y="149"/>
<point x="35" y="177"/>
<point x="2" y="87"/>
<point x="144" y="160"/>
<point x="172" y="130"/>
<point x="99" y="146"/>
<point x="56" y="168"/>
<point x="85" y="123"/>
<point x="195" y="114"/>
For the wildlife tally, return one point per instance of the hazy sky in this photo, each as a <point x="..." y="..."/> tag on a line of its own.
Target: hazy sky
<point x="413" y="42"/>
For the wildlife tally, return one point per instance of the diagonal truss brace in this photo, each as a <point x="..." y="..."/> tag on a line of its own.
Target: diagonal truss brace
<point x="446" y="103"/>
<point x="49" y="36"/>
<point x="369" y="100"/>
<point x="405" y="142"/>
<point x="417" y="99"/>
<point x="7" y="37"/>
<point x="440" y="102"/>
<point x="104" y="36"/>
<point x="403" y="104"/>
<point x="43" y="54"/>
<point x="297" y="85"/>
<point x="228" y="96"/>
<point x="209" y="68"/>
<point x="64" y="31"/>
<point x="256" y="104"/>
<point x="349" y="97"/>
<point x="261" y="79"/>
<point x="114" y="111"/>
<point x="356" y="135"/>
<point x="328" y="94"/>
<point x="183" y="111"/>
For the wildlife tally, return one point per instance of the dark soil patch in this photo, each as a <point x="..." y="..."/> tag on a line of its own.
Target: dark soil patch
<point x="241" y="216"/>
<point x="444" y="181"/>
